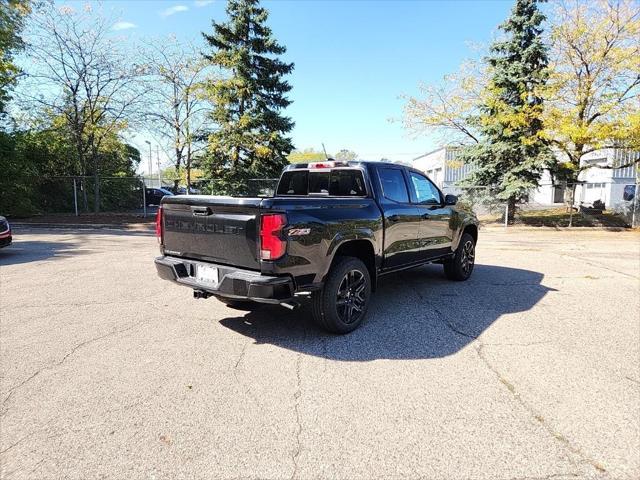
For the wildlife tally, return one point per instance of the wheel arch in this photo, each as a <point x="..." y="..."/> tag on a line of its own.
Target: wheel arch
<point x="472" y="230"/>
<point x="359" y="248"/>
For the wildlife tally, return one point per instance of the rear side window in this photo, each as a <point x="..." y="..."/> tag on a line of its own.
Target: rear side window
<point x="335" y="183"/>
<point x="393" y="185"/>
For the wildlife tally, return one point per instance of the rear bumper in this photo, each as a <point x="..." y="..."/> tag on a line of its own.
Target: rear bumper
<point x="233" y="283"/>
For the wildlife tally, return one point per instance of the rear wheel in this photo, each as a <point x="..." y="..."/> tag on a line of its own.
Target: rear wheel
<point x="460" y="266"/>
<point x="340" y="307"/>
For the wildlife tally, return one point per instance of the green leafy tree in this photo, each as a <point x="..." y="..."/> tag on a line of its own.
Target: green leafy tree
<point x="511" y="153"/>
<point x="250" y="140"/>
<point x="346" y="155"/>
<point x="308" y="155"/>
<point x="12" y="14"/>
<point x="37" y="165"/>
<point x="592" y="98"/>
<point x="78" y="73"/>
<point x="175" y="108"/>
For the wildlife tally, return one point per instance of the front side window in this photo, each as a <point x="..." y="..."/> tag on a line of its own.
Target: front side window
<point x="393" y="185"/>
<point x="424" y="191"/>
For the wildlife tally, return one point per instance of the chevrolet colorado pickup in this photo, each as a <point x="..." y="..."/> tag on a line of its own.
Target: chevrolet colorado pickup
<point x="331" y="230"/>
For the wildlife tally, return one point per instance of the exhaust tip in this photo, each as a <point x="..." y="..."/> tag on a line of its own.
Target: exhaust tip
<point x="290" y="306"/>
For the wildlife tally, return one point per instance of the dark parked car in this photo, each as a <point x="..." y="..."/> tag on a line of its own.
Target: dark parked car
<point x="5" y="232"/>
<point x="629" y="192"/>
<point x="329" y="233"/>
<point x="183" y="191"/>
<point x="155" y="195"/>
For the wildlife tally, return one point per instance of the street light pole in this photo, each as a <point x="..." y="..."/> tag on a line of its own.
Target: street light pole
<point x="159" y="172"/>
<point x="150" y="160"/>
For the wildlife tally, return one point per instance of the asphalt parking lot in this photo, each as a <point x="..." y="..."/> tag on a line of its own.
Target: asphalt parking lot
<point x="529" y="370"/>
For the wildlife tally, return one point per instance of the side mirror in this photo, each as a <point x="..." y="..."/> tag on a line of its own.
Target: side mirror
<point x="450" y="199"/>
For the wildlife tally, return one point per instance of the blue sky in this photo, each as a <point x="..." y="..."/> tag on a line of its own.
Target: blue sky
<point x="353" y="59"/>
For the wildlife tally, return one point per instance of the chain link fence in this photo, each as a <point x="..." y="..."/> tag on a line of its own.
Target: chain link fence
<point x="138" y="195"/>
<point x="581" y="204"/>
<point x="606" y="204"/>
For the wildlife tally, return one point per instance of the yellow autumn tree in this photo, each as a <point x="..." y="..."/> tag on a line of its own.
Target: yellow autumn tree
<point x="592" y="97"/>
<point x="450" y="107"/>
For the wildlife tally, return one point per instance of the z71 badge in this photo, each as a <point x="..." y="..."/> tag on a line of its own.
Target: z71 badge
<point x="299" y="231"/>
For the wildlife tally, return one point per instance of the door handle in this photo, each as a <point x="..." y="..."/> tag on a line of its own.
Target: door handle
<point x="394" y="218"/>
<point x="200" y="211"/>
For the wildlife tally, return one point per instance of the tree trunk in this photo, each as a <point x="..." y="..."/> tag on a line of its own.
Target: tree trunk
<point x="83" y="176"/>
<point x="176" y="181"/>
<point x="511" y="217"/>
<point x="188" y="165"/>
<point x="571" y="202"/>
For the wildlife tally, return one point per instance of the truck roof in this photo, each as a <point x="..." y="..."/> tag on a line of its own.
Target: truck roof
<point x="330" y="163"/>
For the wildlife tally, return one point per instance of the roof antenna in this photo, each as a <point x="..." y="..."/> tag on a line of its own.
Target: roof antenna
<point x="325" y="152"/>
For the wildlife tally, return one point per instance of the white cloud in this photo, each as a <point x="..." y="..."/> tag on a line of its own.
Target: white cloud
<point x="202" y="3"/>
<point x="123" y="26"/>
<point x="173" y="10"/>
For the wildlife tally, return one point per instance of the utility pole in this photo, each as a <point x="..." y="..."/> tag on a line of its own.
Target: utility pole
<point x="158" y="161"/>
<point x="150" y="160"/>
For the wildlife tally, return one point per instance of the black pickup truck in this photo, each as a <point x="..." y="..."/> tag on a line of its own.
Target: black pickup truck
<point x="329" y="232"/>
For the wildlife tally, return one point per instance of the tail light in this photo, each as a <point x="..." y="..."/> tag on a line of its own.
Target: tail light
<point x="272" y="246"/>
<point x="159" y="224"/>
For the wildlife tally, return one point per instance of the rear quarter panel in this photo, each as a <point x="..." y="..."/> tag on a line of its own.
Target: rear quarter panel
<point x="316" y="227"/>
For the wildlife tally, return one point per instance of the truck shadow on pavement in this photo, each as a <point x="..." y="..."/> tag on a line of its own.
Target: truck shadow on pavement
<point x="35" y="250"/>
<point x="416" y="314"/>
<point x="26" y="251"/>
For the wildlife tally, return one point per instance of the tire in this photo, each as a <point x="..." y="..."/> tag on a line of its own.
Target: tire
<point x="460" y="266"/>
<point x="342" y="304"/>
<point x="245" y="305"/>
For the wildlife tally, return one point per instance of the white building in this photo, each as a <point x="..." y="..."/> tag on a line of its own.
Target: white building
<point x="442" y="167"/>
<point x="596" y="183"/>
<point x="606" y="184"/>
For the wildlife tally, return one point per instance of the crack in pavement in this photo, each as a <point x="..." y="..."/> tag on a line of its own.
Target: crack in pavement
<point x="20" y="441"/>
<point x="81" y="304"/>
<point x="539" y="418"/>
<point x="296" y="407"/>
<point x="240" y="359"/>
<point x="515" y="395"/>
<point x="597" y="265"/>
<point x="442" y="317"/>
<point x="547" y="477"/>
<point x="632" y="379"/>
<point x="13" y="389"/>
<point x="529" y="344"/>
<point x="296" y="397"/>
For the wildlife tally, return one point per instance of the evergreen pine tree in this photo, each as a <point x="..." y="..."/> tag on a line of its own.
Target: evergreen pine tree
<point x="250" y="139"/>
<point x="511" y="154"/>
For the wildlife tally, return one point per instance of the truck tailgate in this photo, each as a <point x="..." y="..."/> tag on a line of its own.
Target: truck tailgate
<point x="216" y="229"/>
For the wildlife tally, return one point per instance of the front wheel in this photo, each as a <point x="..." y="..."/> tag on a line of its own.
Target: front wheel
<point x="460" y="266"/>
<point x="340" y="307"/>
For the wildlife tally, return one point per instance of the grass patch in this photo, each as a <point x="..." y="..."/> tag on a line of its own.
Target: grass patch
<point x="559" y="217"/>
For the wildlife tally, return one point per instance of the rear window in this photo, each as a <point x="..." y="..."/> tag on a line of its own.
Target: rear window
<point x="335" y="183"/>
